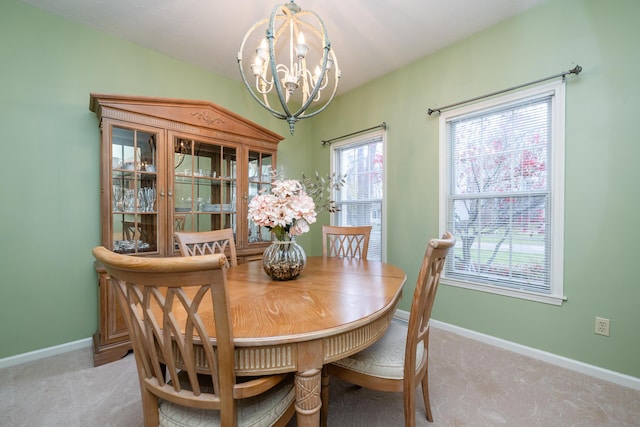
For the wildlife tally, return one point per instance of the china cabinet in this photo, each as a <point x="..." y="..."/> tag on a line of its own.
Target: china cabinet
<point x="173" y="165"/>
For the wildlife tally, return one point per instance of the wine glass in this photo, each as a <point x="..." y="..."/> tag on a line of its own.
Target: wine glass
<point x="151" y="198"/>
<point x="142" y="200"/>
<point x="116" y="201"/>
<point x="129" y="200"/>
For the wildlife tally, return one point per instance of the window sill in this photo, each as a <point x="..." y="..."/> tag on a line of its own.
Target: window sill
<point x="531" y="296"/>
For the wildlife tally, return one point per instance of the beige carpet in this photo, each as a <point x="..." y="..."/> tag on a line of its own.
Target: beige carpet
<point x="472" y="384"/>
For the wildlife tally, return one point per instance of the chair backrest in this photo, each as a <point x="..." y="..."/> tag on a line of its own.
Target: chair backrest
<point x="178" y="222"/>
<point x="345" y="241"/>
<point x="208" y="242"/>
<point x="159" y="298"/>
<point x="422" y="303"/>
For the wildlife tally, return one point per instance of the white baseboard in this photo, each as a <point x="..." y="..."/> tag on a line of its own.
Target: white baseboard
<point x="45" y="352"/>
<point x="564" y="362"/>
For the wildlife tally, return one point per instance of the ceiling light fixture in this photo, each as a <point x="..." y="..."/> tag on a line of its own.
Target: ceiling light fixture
<point x="292" y="39"/>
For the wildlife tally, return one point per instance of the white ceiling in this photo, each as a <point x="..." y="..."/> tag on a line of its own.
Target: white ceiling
<point x="369" y="37"/>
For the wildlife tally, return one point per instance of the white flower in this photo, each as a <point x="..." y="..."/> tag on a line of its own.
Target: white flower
<point x="299" y="228"/>
<point x="287" y="209"/>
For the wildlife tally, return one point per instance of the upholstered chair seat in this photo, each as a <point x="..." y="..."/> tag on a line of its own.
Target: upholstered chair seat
<point x="385" y="358"/>
<point x="257" y="411"/>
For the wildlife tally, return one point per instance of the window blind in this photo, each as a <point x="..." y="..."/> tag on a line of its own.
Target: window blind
<point x="360" y="200"/>
<point x="499" y="195"/>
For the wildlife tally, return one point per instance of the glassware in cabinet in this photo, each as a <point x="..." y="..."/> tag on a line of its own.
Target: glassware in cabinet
<point x="260" y="174"/>
<point x="134" y="222"/>
<point x="205" y="185"/>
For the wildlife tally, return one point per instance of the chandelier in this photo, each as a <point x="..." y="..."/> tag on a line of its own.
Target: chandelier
<point x="293" y="64"/>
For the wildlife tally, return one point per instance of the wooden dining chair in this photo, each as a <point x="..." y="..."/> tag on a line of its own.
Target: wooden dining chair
<point x="178" y="222"/>
<point x="398" y="362"/>
<point x="183" y="382"/>
<point x="208" y="242"/>
<point x="345" y="241"/>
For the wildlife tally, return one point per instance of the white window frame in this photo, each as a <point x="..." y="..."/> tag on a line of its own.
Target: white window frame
<point x="382" y="134"/>
<point x="557" y="90"/>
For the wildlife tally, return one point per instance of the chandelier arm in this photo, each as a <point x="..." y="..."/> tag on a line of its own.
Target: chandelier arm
<point x="272" y="62"/>
<point x="325" y="57"/>
<point x="292" y="22"/>
<point x="301" y="63"/>
<point x="316" y="88"/>
<point x="265" y="104"/>
<point x="324" y="80"/>
<point x="333" y="94"/>
<point x="268" y="85"/>
<point x="322" y="36"/>
<point x="277" y="114"/>
<point x="280" y="30"/>
<point x="308" y="27"/>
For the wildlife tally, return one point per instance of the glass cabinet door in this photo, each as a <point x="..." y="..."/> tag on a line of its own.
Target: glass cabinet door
<point x="134" y="179"/>
<point x="260" y="167"/>
<point x="204" y="187"/>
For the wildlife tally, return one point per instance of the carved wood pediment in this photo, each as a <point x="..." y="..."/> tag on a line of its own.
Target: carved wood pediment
<point x="186" y="112"/>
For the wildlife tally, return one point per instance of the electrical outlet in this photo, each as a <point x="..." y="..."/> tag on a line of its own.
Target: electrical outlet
<point x="602" y="326"/>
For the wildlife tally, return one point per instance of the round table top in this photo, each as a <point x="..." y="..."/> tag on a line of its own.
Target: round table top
<point x="331" y="295"/>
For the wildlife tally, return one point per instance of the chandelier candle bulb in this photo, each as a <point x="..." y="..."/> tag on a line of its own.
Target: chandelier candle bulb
<point x="301" y="48"/>
<point x="263" y="51"/>
<point x="256" y="67"/>
<point x="329" y="64"/>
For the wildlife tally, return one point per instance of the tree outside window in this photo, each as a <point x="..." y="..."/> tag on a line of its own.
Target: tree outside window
<point x="499" y="177"/>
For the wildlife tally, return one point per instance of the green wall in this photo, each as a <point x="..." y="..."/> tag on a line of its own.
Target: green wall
<point x="602" y="151"/>
<point x="49" y="197"/>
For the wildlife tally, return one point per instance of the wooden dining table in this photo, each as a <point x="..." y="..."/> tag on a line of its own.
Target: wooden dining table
<point x="335" y="308"/>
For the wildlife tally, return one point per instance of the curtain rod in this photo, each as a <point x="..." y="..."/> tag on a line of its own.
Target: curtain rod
<point x="329" y="141"/>
<point x="575" y="70"/>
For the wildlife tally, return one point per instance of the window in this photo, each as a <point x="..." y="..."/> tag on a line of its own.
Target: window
<point x="502" y="194"/>
<point x="360" y="200"/>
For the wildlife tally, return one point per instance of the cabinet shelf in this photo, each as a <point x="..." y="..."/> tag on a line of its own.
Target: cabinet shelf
<point x="134" y="213"/>
<point x="182" y="179"/>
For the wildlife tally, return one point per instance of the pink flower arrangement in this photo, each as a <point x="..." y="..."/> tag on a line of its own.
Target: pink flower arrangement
<point x="286" y="210"/>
